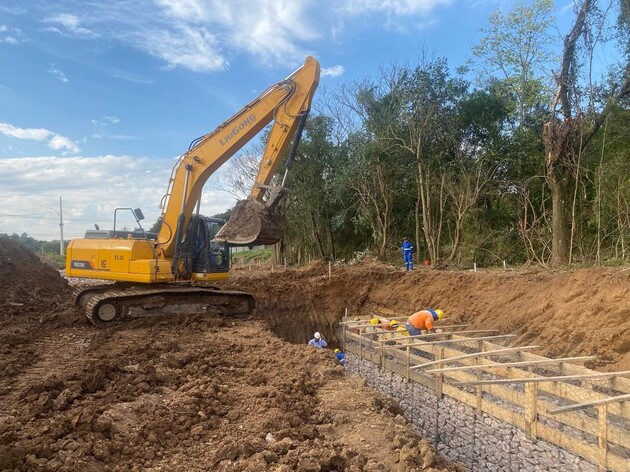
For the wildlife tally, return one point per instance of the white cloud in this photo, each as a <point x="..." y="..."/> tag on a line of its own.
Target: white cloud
<point x="70" y="26"/>
<point x="111" y="119"/>
<point x="198" y="34"/>
<point x="59" y="142"/>
<point x="10" y="35"/>
<point x="334" y="71"/>
<point x="191" y="10"/>
<point x="398" y="7"/>
<point x="274" y="30"/>
<point x="105" y="120"/>
<point x="192" y="48"/>
<point x="57" y="74"/>
<point x="203" y="35"/>
<point x="55" y="141"/>
<point x="131" y="182"/>
<point x="38" y="134"/>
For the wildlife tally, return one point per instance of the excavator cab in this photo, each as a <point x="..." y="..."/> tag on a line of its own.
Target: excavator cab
<point x="203" y="258"/>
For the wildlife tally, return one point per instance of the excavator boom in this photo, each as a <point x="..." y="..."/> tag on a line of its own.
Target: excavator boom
<point x="285" y="103"/>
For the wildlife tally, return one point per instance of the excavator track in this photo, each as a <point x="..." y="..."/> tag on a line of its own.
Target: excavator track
<point x="110" y="303"/>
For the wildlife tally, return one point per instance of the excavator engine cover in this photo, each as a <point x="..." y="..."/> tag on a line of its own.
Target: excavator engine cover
<point x="252" y="224"/>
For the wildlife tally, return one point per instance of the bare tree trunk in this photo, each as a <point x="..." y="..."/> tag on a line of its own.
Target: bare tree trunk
<point x="317" y="237"/>
<point x="598" y="196"/>
<point x="417" y="224"/>
<point x="560" y="221"/>
<point x="574" y="203"/>
<point x="333" y="249"/>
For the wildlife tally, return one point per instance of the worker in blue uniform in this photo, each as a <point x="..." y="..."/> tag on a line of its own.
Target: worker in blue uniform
<point x="407" y="250"/>
<point x="340" y="357"/>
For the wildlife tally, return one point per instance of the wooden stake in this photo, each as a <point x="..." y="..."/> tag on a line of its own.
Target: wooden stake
<point x="602" y="436"/>
<point x="408" y="361"/>
<point x="479" y="388"/>
<point x="345" y="316"/>
<point x="531" y="409"/>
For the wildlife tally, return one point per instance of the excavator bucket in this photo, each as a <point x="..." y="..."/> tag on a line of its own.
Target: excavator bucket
<point x="252" y="223"/>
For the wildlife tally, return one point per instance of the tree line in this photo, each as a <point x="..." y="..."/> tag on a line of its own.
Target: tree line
<point x="523" y="155"/>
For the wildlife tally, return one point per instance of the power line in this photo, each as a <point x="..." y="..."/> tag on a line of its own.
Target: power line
<point x="30" y="216"/>
<point x="75" y="220"/>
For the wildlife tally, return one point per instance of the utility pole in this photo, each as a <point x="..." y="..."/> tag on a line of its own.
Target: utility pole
<point x="60" y="227"/>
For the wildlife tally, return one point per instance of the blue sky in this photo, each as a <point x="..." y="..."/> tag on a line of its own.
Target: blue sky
<point x="98" y="98"/>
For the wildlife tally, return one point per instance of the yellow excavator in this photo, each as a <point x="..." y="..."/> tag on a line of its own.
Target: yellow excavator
<point x="169" y="272"/>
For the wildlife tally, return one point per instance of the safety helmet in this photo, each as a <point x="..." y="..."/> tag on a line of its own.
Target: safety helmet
<point x="337" y="351"/>
<point x="439" y="313"/>
<point x="393" y="324"/>
<point x="374" y="321"/>
<point x="317" y="335"/>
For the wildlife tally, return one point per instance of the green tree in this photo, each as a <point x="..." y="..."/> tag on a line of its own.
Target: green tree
<point x="517" y="47"/>
<point x="428" y="98"/>
<point x="570" y="129"/>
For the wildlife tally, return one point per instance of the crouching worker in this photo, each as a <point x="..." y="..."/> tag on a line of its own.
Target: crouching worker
<point x="317" y="341"/>
<point x="340" y="357"/>
<point x="423" y="320"/>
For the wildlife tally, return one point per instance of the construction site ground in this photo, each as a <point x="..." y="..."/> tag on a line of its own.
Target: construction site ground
<point x="204" y="393"/>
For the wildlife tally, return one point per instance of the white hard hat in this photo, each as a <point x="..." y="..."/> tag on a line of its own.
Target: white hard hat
<point x="317" y="335"/>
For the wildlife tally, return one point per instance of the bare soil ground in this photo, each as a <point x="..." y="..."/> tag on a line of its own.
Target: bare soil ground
<point x="185" y="393"/>
<point x="203" y="393"/>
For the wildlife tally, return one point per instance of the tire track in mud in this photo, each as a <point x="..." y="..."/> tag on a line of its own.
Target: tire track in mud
<point x="56" y="356"/>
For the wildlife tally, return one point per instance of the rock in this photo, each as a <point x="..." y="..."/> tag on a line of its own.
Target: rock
<point x="408" y="455"/>
<point x="270" y="457"/>
<point x="270" y="438"/>
<point x="100" y="450"/>
<point x="196" y="430"/>
<point x="401" y="420"/>
<point x="281" y="447"/>
<point x="308" y="464"/>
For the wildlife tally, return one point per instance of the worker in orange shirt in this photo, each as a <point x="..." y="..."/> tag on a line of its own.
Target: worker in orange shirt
<point x="423" y="320"/>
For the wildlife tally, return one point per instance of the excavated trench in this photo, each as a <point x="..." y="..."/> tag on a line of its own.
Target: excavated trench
<point x="553" y="310"/>
<point x="541" y="308"/>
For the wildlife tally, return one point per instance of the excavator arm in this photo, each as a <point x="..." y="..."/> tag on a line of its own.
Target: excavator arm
<point x="286" y="104"/>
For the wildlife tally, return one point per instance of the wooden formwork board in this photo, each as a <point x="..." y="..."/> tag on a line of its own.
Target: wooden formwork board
<point x="579" y="406"/>
<point x="521" y="364"/>
<point x="570" y="392"/>
<point x="532" y="405"/>
<point x="621" y="384"/>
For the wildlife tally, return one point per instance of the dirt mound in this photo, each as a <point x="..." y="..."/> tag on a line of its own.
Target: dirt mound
<point x="34" y="298"/>
<point x="198" y="394"/>
<point x="569" y="313"/>
<point x="27" y="285"/>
